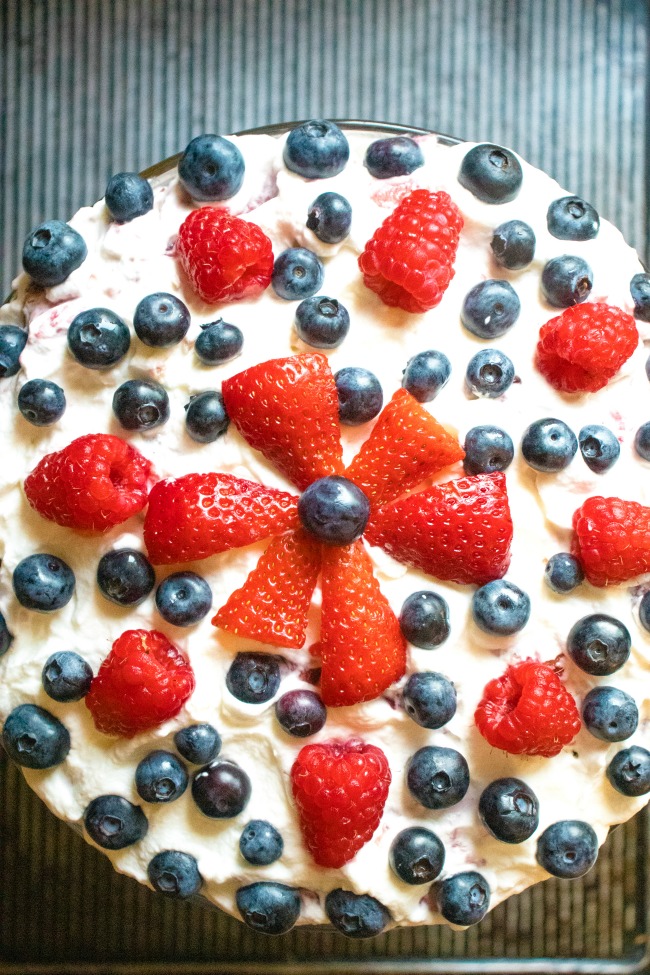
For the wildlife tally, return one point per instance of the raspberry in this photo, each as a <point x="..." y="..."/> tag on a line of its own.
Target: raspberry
<point x="226" y="258"/>
<point x="528" y="711"/>
<point x="612" y="540"/>
<point x="409" y="260"/>
<point x="340" y="789"/>
<point x="585" y="346"/>
<point x="459" y="531"/>
<point x="144" y="681"/>
<point x="94" y="483"/>
<point x="198" y="515"/>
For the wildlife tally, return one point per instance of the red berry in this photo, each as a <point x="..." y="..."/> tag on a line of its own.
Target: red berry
<point x="528" y="711"/>
<point x="340" y="789"/>
<point x="288" y="409"/>
<point x="198" y="515"/>
<point x="405" y="447"/>
<point x="612" y="540"/>
<point x="226" y="258"/>
<point x="585" y="346"/>
<point x="459" y="531"/>
<point x="409" y="260"/>
<point x="361" y="644"/>
<point x="94" y="483"/>
<point x="144" y="681"/>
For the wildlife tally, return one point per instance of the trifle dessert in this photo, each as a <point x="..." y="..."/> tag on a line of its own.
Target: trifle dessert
<point x="326" y="527"/>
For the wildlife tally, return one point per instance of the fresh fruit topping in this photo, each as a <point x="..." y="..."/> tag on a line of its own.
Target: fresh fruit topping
<point x="397" y="156"/>
<point x="513" y="244"/>
<point x="43" y="583"/>
<point x="571" y="218"/>
<point x="459" y="531"/>
<point x="340" y="789"/>
<point x="218" y="342"/>
<point x="629" y="771"/>
<point x="322" y="322"/>
<point x="417" y="855"/>
<point x="585" y="346"/>
<point x="98" y="338"/>
<point x="198" y="515"/>
<point x="268" y="907"/>
<point x="144" y="681"/>
<point x="549" y="445"/>
<point x="297" y="273"/>
<point x="183" y="598"/>
<point x="409" y="260"/>
<point x="254" y="678"/>
<point x="288" y="410"/>
<point x="425" y="375"/>
<point x="356" y="915"/>
<point x="273" y="604"/>
<point x="12" y="342"/>
<point x="211" y="168"/>
<point x="599" y="644"/>
<point x="301" y="713"/>
<point x="205" y="416"/>
<point x="567" y="280"/>
<point x="94" y="483"/>
<point x="437" y="777"/>
<point x="260" y="843"/>
<point x="640" y="292"/>
<point x="141" y="404"/>
<point x="360" y="395"/>
<point x="642" y="441"/>
<point x="174" y="874"/>
<point x="489" y="373"/>
<point x="528" y="711"/>
<point x="52" y="251"/>
<point x="612" y="540"/>
<point x="610" y="714"/>
<point x="644" y="611"/>
<point x="509" y="809"/>
<point x="125" y="576"/>
<point x="334" y="510"/>
<point x="41" y="402"/>
<point x="330" y="217"/>
<point x="114" y="823"/>
<point x="599" y="447"/>
<point x="362" y="648"/>
<point x="463" y="898"/>
<point x="500" y="608"/>
<point x="34" y="738"/>
<point x="161" y="320"/>
<point x="127" y="196"/>
<point x="6" y="637"/>
<point x="488" y="450"/>
<point x="567" y="849"/>
<point x="66" y="676"/>
<point x="563" y="573"/>
<point x="424" y="619"/>
<point x="490" y="309"/>
<point x="198" y="743"/>
<point x="224" y="257"/>
<point x="221" y="790"/>
<point x="491" y="173"/>
<point x="316" y="149"/>
<point x="160" y="777"/>
<point x="429" y="699"/>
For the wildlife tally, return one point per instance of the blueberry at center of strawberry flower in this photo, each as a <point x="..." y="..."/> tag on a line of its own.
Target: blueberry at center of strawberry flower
<point x="334" y="510"/>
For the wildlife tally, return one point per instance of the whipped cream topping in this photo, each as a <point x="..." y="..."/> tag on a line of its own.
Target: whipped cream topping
<point x="125" y="263"/>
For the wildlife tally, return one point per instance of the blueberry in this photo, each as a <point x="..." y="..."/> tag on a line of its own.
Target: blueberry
<point x="491" y="173"/>
<point x="437" y="777"/>
<point x="316" y="150"/>
<point x="301" y="713"/>
<point x="487" y="450"/>
<point x="198" y="743"/>
<point x="599" y="447"/>
<point x="211" y="168"/>
<point x="206" y="418"/>
<point x="563" y="572"/>
<point x="334" y="510"/>
<point x="424" y="619"/>
<point x="98" y="338"/>
<point x="260" y="843"/>
<point x="610" y="714"/>
<point x="183" y="598"/>
<point x="330" y="217"/>
<point x="490" y="309"/>
<point x="513" y="244"/>
<point x="141" y="404"/>
<point x="221" y="789"/>
<point x="356" y="915"/>
<point x="599" y="644"/>
<point x="52" y="251"/>
<point x="425" y="375"/>
<point x="640" y="291"/>
<point x="322" y="322"/>
<point x="41" y="402"/>
<point x="416" y="855"/>
<point x="125" y="576"/>
<point x="571" y="218"/>
<point x="12" y="342"/>
<point x="114" y="823"/>
<point x="642" y="441"/>
<point x="66" y="676"/>
<point x="254" y="678"/>
<point x="501" y="608"/>
<point x="160" y="777"/>
<point x="174" y="874"/>
<point x="128" y="195"/>
<point x="567" y="849"/>
<point x="509" y="809"/>
<point x="629" y="771"/>
<point x="489" y="373"/>
<point x="429" y="699"/>
<point x="644" y="611"/>
<point x="43" y="582"/>
<point x="34" y="738"/>
<point x="549" y="445"/>
<point x="360" y="395"/>
<point x="161" y="320"/>
<point x="6" y="638"/>
<point x="566" y="280"/>
<point x="464" y="898"/>
<point x="218" y="342"/>
<point x="397" y="156"/>
<point x="268" y="907"/>
<point x="297" y="274"/>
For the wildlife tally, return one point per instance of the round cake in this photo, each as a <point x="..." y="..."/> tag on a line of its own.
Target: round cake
<point x="325" y="527"/>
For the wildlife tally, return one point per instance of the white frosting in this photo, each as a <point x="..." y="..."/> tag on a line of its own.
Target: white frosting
<point x="127" y="262"/>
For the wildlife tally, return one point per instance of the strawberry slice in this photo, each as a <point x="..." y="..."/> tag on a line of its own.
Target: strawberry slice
<point x="459" y="531"/>
<point x="198" y="515"/>
<point x="405" y="447"/>
<point x="273" y="603"/>
<point x="288" y="410"/>
<point x="362" y="647"/>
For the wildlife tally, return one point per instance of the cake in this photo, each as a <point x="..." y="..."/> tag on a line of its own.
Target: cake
<point x="325" y="527"/>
